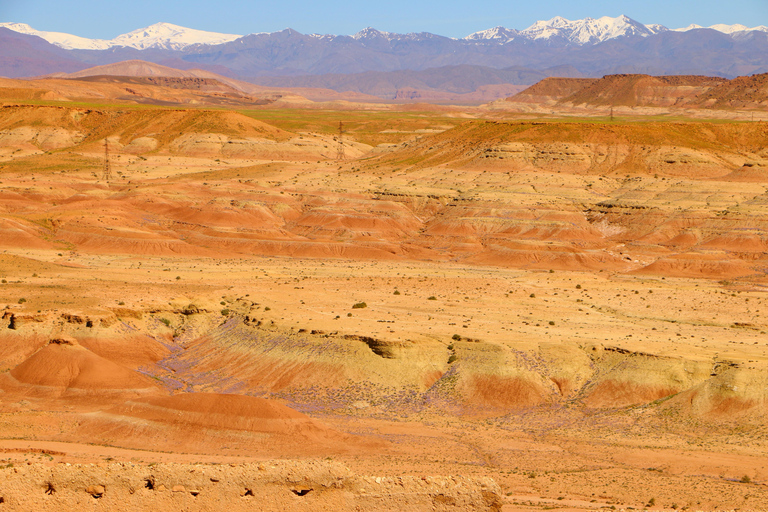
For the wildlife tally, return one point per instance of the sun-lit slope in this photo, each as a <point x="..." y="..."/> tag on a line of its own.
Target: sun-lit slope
<point x="683" y="91"/>
<point x="588" y="147"/>
<point x="645" y="91"/>
<point x="668" y="198"/>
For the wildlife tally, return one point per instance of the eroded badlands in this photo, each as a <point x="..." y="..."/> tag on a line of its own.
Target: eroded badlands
<point x="502" y="314"/>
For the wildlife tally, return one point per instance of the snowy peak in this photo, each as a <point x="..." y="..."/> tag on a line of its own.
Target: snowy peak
<point x="588" y="30"/>
<point x="160" y="35"/>
<point x="66" y="41"/>
<point x="496" y="34"/>
<point x="371" y="33"/>
<point x="170" y="37"/>
<point x="726" y="29"/>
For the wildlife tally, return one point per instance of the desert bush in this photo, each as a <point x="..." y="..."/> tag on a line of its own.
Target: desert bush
<point x="165" y="321"/>
<point x="359" y="305"/>
<point x="431" y="297"/>
<point x="452" y="359"/>
<point x="225" y="312"/>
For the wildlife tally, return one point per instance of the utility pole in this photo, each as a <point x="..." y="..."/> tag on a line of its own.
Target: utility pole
<point x="107" y="174"/>
<point x="340" y="150"/>
<point x="611" y="114"/>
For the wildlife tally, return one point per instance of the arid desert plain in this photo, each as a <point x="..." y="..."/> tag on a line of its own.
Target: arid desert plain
<point x="211" y="302"/>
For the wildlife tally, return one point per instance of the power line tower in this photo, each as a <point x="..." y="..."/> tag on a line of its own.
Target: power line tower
<point x="107" y="174"/>
<point x="340" y="150"/>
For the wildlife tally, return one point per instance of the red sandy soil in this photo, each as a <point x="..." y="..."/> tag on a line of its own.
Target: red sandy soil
<point x="571" y="309"/>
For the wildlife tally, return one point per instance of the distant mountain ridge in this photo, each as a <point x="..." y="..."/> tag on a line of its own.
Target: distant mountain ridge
<point x="167" y="36"/>
<point x="391" y="65"/>
<point x="164" y="36"/>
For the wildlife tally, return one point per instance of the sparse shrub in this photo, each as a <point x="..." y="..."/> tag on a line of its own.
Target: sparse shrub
<point x="431" y="297"/>
<point x="121" y="303"/>
<point x="225" y="312"/>
<point x="359" y="305"/>
<point x="450" y="347"/>
<point x="745" y="479"/>
<point x="267" y="308"/>
<point x="349" y="314"/>
<point x="533" y="295"/>
<point x="578" y="287"/>
<point x="5" y="281"/>
<point x="651" y="502"/>
<point x="166" y="322"/>
<point x="455" y="337"/>
<point x="452" y="359"/>
<point x="397" y="292"/>
<point x="22" y="300"/>
<point x="551" y="322"/>
<point x="551" y="271"/>
<point x="34" y="275"/>
<point x="178" y="277"/>
<point x="223" y="303"/>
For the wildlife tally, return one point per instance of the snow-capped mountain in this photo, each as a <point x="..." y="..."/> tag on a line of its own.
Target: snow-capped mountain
<point x="725" y="29"/>
<point x="170" y="37"/>
<point x="372" y="33"/>
<point x="578" y="32"/>
<point x="160" y="35"/>
<point x="588" y="30"/>
<point x="60" y="39"/>
<point x="496" y="34"/>
<point x="558" y="30"/>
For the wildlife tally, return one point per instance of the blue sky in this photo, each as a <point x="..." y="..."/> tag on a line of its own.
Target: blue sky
<point x="455" y="18"/>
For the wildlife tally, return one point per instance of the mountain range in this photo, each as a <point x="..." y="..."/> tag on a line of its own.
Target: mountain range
<point x="167" y="36"/>
<point x="383" y="63"/>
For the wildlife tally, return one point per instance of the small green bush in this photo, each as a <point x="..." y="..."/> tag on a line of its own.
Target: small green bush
<point x="166" y="322"/>
<point x="267" y="308"/>
<point x="578" y="287"/>
<point x="746" y="480"/>
<point x="551" y="322"/>
<point x="452" y="358"/>
<point x="431" y="297"/>
<point x="455" y="337"/>
<point x="359" y="305"/>
<point x="178" y="277"/>
<point x="533" y="295"/>
<point x="397" y="292"/>
<point x="22" y="300"/>
<point x="225" y="312"/>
